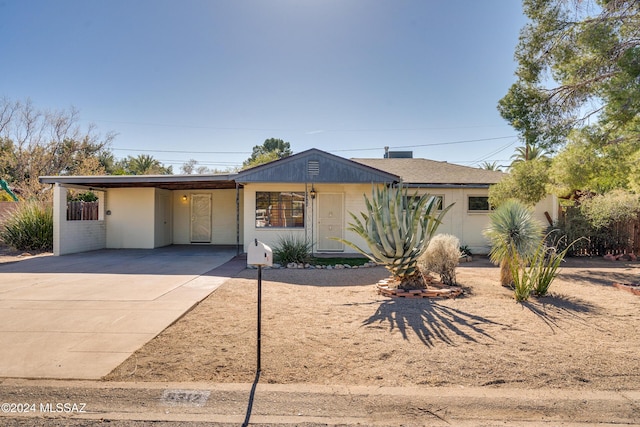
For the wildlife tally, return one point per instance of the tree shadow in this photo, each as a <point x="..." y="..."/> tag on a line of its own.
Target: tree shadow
<point x="553" y="309"/>
<point x="431" y="322"/>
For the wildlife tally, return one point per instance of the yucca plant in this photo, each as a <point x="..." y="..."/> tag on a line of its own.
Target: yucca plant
<point x="397" y="235"/>
<point x="29" y="227"/>
<point x="536" y="274"/>
<point x="290" y="248"/>
<point x="514" y="235"/>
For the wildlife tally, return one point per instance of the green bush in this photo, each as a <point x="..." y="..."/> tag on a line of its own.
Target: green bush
<point x="29" y="227"/>
<point x="292" y="248"/>
<point x="539" y="272"/>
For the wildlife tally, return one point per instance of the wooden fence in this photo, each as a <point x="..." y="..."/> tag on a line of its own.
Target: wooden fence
<point x="82" y="211"/>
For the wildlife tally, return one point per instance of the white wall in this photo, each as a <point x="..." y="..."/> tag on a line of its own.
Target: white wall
<point x="223" y="217"/>
<point x="76" y="236"/>
<point x="467" y="225"/>
<point x="131" y="223"/>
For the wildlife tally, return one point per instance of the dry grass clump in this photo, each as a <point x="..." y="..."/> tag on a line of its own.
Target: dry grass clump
<point x="442" y="257"/>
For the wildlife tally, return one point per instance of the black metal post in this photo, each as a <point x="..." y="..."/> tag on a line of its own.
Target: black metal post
<point x="259" y="315"/>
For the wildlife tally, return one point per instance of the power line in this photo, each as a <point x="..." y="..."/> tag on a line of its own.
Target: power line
<point x="428" y="145"/>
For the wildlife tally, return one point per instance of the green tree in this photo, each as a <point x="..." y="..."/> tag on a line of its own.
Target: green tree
<point x="576" y="59"/>
<point x="145" y="164"/>
<point x="528" y="152"/>
<point x="589" y="165"/>
<point x="270" y="150"/>
<point x="493" y="166"/>
<point x="526" y="182"/>
<point x="514" y="235"/>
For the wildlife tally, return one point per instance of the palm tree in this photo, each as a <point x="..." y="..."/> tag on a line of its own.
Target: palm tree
<point x="529" y="152"/>
<point x="145" y="164"/>
<point x="514" y="235"/>
<point x="493" y="166"/>
<point x="397" y="229"/>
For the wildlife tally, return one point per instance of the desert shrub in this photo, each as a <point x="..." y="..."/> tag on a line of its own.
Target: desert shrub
<point x="536" y="273"/>
<point x="589" y="240"/>
<point x="291" y="248"/>
<point x="441" y="257"/>
<point x="29" y="227"/>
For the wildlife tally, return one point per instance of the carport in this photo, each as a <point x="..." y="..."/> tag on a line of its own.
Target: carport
<point x="79" y="316"/>
<point x="148" y="211"/>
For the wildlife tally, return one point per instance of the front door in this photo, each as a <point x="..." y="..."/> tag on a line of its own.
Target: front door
<point x="201" y="218"/>
<point x="330" y="221"/>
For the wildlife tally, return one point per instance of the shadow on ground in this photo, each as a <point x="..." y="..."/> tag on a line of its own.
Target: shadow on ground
<point x="431" y="322"/>
<point x="554" y="309"/>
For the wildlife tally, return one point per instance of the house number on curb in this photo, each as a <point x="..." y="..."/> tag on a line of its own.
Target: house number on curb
<point x="185" y="397"/>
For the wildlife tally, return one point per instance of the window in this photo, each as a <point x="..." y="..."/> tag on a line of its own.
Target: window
<point x="280" y="209"/>
<point x="438" y="203"/>
<point x="479" y="204"/>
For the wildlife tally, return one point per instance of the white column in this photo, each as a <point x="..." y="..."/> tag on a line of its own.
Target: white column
<point x="59" y="218"/>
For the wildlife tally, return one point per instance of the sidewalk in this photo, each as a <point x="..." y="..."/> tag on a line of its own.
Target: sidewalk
<point x="303" y="404"/>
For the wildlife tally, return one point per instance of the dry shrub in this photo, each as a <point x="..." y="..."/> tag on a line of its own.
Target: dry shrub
<point x="441" y="257"/>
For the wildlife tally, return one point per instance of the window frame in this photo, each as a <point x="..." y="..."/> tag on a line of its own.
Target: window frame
<point x="294" y="209"/>
<point x="478" y="196"/>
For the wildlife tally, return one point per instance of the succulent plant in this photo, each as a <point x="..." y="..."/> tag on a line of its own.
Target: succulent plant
<point x="397" y="229"/>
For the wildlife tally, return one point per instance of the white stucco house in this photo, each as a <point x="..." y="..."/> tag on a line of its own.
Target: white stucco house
<point x="309" y="194"/>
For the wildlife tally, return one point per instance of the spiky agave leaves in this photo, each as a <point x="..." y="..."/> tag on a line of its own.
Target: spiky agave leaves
<point x="396" y="235"/>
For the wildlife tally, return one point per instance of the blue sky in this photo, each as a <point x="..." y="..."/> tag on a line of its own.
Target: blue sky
<point x="209" y="79"/>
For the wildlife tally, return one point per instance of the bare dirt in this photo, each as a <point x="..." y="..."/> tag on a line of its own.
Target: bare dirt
<point x="331" y="327"/>
<point x="9" y="254"/>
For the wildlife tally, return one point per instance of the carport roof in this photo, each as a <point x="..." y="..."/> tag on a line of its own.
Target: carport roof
<point x="167" y="182"/>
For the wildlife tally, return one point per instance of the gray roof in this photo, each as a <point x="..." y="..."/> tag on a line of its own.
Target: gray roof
<point x="431" y="173"/>
<point x="315" y="166"/>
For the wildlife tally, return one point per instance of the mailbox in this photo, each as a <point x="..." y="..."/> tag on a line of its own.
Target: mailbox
<point x="259" y="254"/>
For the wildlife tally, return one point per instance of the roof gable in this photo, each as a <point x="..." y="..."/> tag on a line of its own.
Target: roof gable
<point x="315" y="166"/>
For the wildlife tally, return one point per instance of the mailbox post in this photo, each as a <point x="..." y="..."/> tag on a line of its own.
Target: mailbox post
<point x="259" y="254"/>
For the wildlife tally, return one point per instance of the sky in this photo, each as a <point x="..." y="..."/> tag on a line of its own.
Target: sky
<point x="210" y="79"/>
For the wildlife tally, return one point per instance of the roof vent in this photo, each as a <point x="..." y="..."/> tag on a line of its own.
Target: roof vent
<point x="398" y="154"/>
<point x="313" y="168"/>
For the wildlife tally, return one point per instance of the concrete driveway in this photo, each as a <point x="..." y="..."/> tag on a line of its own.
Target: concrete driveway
<point x="79" y="316"/>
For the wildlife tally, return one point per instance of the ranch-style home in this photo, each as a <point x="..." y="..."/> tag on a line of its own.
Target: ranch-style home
<point x="309" y="194"/>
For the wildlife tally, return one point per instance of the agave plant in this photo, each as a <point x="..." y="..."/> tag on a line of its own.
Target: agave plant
<point x="397" y="235"/>
<point x="514" y="235"/>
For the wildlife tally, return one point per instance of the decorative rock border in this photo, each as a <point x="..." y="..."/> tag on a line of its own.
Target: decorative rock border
<point x="633" y="288"/>
<point x="386" y="290"/>
<point x="300" y="266"/>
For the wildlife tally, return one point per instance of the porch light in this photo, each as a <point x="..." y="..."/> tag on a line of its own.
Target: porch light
<point x="184" y="197"/>
<point x="313" y="193"/>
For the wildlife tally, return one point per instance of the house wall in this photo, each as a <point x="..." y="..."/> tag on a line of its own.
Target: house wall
<point x="131" y="222"/>
<point x="353" y="202"/>
<point x="223" y="219"/>
<point x="76" y="236"/>
<point x="459" y="221"/>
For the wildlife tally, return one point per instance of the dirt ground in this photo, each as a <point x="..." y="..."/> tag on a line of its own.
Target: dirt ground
<point x="9" y="254"/>
<point x="331" y="327"/>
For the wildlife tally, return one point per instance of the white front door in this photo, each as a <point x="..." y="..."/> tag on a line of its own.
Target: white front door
<point x="330" y="221"/>
<point x="201" y="218"/>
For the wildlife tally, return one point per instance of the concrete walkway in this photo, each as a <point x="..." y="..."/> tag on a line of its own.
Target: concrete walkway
<point x="79" y="316"/>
